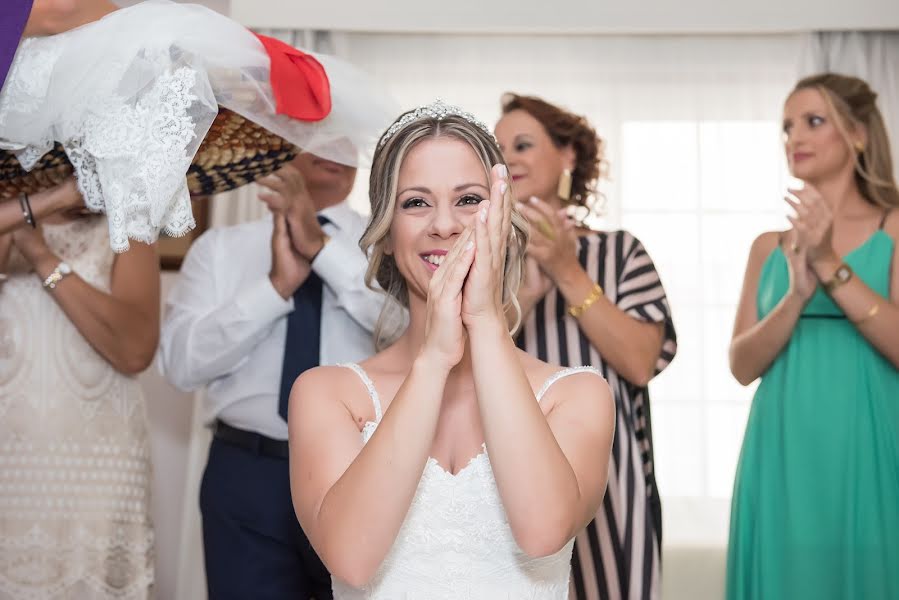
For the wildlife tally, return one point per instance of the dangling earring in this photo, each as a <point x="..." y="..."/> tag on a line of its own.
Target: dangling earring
<point x="859" y="146"/>
<point x="564" y="191"/>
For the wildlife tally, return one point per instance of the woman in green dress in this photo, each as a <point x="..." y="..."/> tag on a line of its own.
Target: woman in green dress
<point x="815" y="509"/>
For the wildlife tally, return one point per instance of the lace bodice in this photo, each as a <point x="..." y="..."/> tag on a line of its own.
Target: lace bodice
<point x="456" y="541"/>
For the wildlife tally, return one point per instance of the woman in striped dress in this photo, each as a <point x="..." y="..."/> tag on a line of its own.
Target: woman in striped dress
<point x="593" y="298"/>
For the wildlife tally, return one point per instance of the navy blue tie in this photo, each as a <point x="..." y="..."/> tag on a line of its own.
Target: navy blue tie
<point x="301" y="346"/>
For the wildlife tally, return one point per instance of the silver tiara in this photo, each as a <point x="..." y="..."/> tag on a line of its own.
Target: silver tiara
<point x="435" y="110"/>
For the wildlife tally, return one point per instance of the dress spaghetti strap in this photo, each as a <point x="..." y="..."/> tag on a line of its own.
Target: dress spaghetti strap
<point x="372" y="392"/>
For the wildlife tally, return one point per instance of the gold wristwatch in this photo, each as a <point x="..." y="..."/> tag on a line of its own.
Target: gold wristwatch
<point x="839" y="277"/>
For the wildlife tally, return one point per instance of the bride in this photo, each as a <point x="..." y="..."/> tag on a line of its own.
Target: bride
<point x="451" y="464"/>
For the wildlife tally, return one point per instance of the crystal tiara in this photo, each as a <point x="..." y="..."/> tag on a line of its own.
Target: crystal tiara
<point x="435" y="110"/>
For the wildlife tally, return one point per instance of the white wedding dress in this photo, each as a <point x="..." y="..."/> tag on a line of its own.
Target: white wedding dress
<point x="456" y="542"/>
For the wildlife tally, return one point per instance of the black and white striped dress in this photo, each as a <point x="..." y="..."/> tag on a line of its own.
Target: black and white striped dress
<point x="617" y="556"/>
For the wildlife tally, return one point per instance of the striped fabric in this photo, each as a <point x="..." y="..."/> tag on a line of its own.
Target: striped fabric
<point x="617" y="556"/>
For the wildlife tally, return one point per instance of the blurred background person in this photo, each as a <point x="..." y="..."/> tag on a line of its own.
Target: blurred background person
<point x="77" y="324"/>
<point x="592" y="298"/>
<point x="255" y="305"/>
<point x="816" y="498"/>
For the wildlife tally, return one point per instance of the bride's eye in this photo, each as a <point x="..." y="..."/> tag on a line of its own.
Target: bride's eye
<point x="414" y="203"/>
<point x="470" y="200"/>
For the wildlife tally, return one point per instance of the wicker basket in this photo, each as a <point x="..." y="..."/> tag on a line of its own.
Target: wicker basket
<point x="234" y="152"/>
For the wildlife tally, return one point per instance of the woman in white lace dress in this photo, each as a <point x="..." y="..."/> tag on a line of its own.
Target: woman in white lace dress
<point x="77" y="323"/>
<point x="451" y="464"/>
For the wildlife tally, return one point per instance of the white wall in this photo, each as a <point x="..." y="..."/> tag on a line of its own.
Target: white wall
<point x="570" y="16"/>
<point x="170" y="413"/>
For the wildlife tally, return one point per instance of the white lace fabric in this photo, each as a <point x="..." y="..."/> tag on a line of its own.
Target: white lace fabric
<point x="130" y="150"/>
<point x="131" y="97"/>
<point x="456" y="542"/>
<point x="74" y="451"/>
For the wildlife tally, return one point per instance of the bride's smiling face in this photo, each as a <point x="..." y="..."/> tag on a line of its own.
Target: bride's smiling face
<point x="440" y="183"/>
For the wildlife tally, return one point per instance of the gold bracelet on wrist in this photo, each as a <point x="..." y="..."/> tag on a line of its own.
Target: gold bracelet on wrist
<point x="871" y="312"/>
<point x="595" y="294"/>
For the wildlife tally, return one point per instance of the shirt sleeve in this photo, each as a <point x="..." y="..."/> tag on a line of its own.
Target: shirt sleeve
<point x="342" y="266"/>
<point x="208" y="333"/>
<point x="642" y="296"/>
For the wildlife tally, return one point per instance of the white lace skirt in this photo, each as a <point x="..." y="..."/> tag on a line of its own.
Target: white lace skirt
<point x="75" y="469"/>
<point x="131" y="98"/>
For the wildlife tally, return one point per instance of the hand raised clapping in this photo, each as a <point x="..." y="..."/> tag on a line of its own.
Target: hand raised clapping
<point x="813" y="223"/>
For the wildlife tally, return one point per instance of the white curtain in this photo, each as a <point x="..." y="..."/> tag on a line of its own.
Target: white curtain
<point x="872" y="56"/>
<point x="691" y="125"/>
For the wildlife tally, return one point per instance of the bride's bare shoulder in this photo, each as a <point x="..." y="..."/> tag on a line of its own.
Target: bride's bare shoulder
<point x="540" y="373"/>
<point x="332" y="385"/>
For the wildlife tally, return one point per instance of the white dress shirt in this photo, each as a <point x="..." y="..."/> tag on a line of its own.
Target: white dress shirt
<point x="225" y="325"/>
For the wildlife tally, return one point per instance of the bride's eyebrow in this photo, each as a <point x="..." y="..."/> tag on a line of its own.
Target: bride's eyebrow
<point x="421" y="189"/>
<point x="465" y="186"/>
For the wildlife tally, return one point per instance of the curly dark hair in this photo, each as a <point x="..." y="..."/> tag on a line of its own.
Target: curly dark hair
<point x="566" y="128"/>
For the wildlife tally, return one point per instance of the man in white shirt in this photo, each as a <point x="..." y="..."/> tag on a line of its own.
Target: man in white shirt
<point x="255" y="305"/>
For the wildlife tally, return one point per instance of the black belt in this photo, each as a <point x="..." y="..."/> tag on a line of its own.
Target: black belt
<point x="250" y="440"/>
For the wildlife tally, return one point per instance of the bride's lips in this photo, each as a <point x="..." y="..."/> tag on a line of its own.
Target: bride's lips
<point x="437" y="255"/>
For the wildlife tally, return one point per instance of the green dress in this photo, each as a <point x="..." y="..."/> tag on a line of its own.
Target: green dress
<point x="815" y="512"/>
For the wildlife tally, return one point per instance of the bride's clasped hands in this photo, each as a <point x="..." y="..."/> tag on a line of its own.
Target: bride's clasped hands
<point x="465" y="292"/>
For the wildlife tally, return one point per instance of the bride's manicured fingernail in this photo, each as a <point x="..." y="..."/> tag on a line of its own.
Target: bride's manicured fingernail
<point x="503" y="187"/>
<point x="469" y="246"/>
<point x="502" y="171"/>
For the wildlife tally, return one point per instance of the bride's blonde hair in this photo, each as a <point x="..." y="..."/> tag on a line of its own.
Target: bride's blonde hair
<point x="388" y="158"/>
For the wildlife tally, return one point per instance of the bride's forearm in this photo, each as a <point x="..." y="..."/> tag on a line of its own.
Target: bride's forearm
<point x="361" y="514"/>
<point x="536" y="482"/>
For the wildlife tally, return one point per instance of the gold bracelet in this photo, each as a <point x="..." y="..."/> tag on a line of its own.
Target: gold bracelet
<point x="595" y="294"/>
<point x="871" y="312"/>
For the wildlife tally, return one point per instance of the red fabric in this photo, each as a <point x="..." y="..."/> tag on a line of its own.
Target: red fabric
<point x="299" y="82"/>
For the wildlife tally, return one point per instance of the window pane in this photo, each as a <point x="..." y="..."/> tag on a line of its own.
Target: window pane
<point x="659" y="162"/>
<point x="742" y="166"/>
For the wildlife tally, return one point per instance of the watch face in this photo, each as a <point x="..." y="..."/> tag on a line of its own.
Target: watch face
<point x="843" y="273"/>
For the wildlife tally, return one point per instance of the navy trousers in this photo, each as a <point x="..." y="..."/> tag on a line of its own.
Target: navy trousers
<point x="254" y="547"/>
